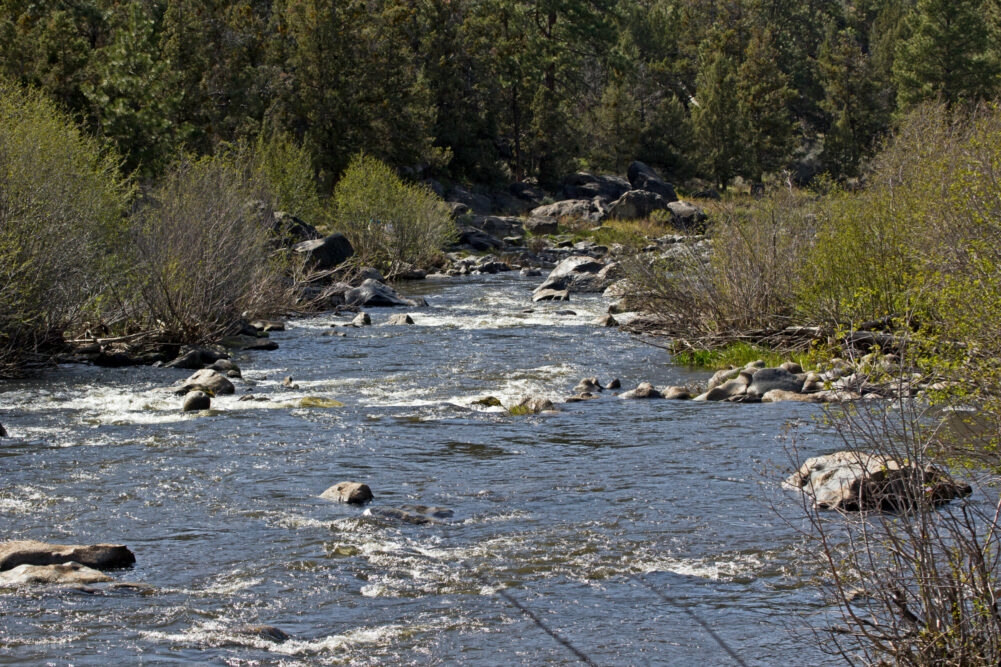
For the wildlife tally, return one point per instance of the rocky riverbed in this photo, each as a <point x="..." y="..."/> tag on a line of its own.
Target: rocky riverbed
<point x="250" y="548"/>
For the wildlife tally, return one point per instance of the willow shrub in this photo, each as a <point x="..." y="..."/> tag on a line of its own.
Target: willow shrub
<point x="202" y="251"/>
<point x="390" y="223"/>
<point x="62" y="209"/>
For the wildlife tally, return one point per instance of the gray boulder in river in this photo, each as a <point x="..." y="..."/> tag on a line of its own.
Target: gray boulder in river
<point x="354" y="493"/>
<point x="62" y="573"/>
<point x="373" y="293"/>
<point x="578" y="273"/>
<point x="209" y="381"/>
<point x="853" y="481"/>
<point x="33" y="552"/>
<point x="195" y="401"/>
<point x="644" y="390"/>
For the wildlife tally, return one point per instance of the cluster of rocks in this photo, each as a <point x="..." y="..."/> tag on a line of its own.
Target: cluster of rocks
<point x="853" y="481"/>
<point x="356" y="493"/>
<point x="30" y="562"/>
<point x="582" y="196"/>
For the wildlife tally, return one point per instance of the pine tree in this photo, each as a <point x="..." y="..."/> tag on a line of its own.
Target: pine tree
<point x="716" y="119"/>
<point x="853" y="101"/>
<point x="763" y="96"/>
<point x="946" y="55"/>
<point x="130" y="98"/>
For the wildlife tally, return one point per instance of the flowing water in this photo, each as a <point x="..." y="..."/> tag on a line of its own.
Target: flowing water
<point x="565" y="513"/>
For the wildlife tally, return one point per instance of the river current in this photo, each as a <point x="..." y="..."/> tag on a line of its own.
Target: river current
<point x="569" y="514"/>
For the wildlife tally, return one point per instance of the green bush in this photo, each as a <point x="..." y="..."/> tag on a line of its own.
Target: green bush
<point x="283" y="167"/>
<point x="202" y="253"/>
<point x="62" y="209"/>
<point x="391" y="224"/>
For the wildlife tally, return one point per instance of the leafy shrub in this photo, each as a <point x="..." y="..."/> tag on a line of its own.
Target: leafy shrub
<point x="202" y="254"/>
<point x="62" y="205"/>
<point x="748" y="282"/>
<point x="390" y="223"/>
<point x="283" y="167"/>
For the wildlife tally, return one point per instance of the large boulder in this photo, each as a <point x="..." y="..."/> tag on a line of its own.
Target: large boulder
<point x="478" y="239"/>
<point x="642" y="177"/>
<point x="325" y="254"/>
<point x="354" y="493"/>
<point x="33" y="552"/>
<point x="64" y="573"/>
<point x="498" y="226"/>
<point x="687" y="217"/>
<point x="373" y="293"/>
<point x="636" y="204"/>
<point x="765" y="380"/>
<point x="195" y="358"/>
<point x="574" y="209"/>
<point x="589" y="186"/>
<point x="854" y="481"/>
<point x="288" y="230"/>
<point x="196" y="401"/>
<point x="577" y="273"/>
<point x="477" y="203"/>
<point x="209" y="381"/>
<point x="540" y="226"/>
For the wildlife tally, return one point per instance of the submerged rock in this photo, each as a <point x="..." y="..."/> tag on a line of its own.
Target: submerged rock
<point x="489" y="402"/>
<point x="63" y="573"/>
<point x="854" y="481"/>
<point x="266" y="632"/>
<point x="589" y="386"/>
<point x="3" y="432"/>
<point x="583" y="396"/>
<point x="614" y="384"/>
<point x="362" y="320"/>
<point x="397" y="514"/>
<point x="195" y="401"/>
<point x="532" y="405"/>
<point x="644" y="390"/>
<point x="400" y="318"/>
<point x="226" y="366"/>
<point x="606" y="321"/>
<point x="33" y="552"/>
<point x="429" y="510"/>
<point x="348" y="492"/>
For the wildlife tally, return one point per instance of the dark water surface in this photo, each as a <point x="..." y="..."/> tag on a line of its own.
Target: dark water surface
<point x="222" y="509"/>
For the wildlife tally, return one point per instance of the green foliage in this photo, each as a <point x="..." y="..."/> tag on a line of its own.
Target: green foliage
<point x="763" y="97"/>
<point x="62" y="210"/>
<point x="130" y="98"/>
<point x="283" y="167"/>
<point x="946" y="55"/>
<point x="390" y="223"/>
<point x="716" y="121"/>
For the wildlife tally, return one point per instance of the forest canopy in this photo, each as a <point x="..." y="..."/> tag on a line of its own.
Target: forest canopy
<point x="498" y="90"/>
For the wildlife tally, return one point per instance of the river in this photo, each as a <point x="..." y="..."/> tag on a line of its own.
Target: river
<point x="568" y="514"/>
